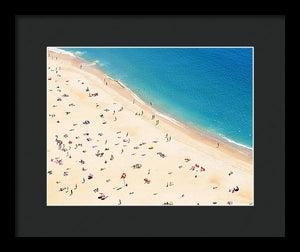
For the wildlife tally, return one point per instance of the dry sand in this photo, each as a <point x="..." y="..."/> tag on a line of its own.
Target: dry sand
<point x="119" y="134"/>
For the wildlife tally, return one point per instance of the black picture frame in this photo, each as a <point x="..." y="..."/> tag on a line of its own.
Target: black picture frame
<point x="33" y="33"/>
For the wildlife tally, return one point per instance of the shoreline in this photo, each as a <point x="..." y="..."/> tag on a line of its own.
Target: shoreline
<point x="230" y="147"/>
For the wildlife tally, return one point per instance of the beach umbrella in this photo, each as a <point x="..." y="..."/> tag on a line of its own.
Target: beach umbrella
<point x="123" y="177"/>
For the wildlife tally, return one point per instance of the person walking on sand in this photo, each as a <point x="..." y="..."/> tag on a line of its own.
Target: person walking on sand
<point x="218" y="145"/>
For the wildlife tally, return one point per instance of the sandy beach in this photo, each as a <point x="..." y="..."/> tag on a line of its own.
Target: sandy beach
<point x="107" y="147"/>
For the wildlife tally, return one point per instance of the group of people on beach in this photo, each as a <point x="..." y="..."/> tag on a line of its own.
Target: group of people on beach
<point x="68" y="145"/>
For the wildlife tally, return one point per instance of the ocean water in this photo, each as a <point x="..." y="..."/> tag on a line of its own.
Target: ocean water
<point x="207" y="88"/>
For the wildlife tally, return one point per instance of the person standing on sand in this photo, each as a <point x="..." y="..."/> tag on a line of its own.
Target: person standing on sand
<point x="218" y="145"/>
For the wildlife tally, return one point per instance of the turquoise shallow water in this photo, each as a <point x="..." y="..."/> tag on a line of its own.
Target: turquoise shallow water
<point x="208" y="88"/>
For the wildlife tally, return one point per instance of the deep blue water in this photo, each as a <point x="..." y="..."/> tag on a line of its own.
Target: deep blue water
<point x="208" y="88"/>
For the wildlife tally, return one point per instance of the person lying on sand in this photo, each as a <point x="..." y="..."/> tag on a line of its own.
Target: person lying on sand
<point x="102" y="196"/>
<point x="161" y="154"/>
<point x="147" y="181"/>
